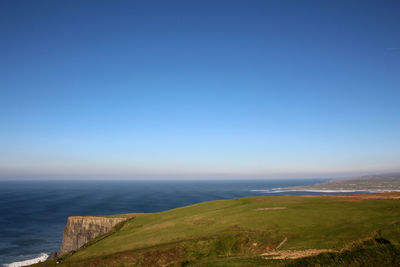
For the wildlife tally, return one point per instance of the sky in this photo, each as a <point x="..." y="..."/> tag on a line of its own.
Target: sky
<point x="199" y="89"/>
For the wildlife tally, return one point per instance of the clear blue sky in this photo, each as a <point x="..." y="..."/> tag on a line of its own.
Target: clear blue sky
<point x="199" y="89"/>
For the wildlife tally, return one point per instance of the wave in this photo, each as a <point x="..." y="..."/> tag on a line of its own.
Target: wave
<point x="270" y="191"/>
<point x="42" y="257"/>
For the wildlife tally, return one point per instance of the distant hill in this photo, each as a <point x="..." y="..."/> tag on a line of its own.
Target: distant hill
<point x="389" y="182"/>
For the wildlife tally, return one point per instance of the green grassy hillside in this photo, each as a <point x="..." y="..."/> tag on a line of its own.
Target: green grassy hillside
<point x="236" y="232"/>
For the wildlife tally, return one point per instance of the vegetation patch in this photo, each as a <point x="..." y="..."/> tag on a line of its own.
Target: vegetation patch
<point x="310" y="231"/>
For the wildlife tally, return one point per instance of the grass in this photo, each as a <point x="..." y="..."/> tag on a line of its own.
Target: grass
<point x="234" y="233"/>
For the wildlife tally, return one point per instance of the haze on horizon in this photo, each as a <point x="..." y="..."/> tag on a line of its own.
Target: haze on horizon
<point x="199" y="89"/>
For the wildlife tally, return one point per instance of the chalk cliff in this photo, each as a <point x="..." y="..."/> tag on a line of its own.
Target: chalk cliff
<point x="81" y="229"/>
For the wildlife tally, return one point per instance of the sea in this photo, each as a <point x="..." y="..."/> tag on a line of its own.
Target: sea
<point x="33" y="213"/>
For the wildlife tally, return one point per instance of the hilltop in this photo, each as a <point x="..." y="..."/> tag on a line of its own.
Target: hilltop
<point x="254" y="231"/>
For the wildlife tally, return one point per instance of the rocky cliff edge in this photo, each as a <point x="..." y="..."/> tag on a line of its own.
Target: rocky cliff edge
<point x="81" y="229"/>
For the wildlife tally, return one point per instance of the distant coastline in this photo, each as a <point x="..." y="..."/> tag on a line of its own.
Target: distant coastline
<point x="389" y="182"/>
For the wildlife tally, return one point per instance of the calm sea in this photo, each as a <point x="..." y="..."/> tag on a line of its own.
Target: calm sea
<point x="33" y="214"/>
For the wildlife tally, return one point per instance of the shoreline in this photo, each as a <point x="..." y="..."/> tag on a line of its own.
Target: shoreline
<point x="40" y="258"/>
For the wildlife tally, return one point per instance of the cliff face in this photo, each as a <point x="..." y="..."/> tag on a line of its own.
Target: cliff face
<point x="81" y="229"/>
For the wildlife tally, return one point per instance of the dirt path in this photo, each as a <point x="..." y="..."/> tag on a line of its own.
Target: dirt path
<point x="281" y="244"/>
<point x="293" y="254"/>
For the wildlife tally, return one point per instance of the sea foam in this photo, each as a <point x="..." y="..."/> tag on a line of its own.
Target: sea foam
<point x="42" y="257"/>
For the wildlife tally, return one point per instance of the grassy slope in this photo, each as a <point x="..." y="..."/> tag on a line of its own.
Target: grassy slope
<point x="232" y="231"/>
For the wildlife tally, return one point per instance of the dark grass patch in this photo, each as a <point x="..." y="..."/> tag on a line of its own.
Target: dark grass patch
<point x="382" y="255"/>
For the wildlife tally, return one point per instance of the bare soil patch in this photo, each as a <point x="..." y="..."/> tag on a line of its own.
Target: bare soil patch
<point x="274" y="208"/>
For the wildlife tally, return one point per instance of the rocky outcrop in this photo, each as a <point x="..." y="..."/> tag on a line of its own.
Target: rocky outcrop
<point x="81" y="229"/>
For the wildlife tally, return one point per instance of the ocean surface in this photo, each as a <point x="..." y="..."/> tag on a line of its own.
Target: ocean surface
<point x="33" y="213"/>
